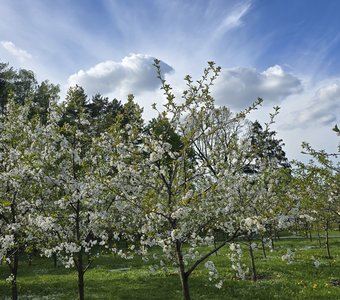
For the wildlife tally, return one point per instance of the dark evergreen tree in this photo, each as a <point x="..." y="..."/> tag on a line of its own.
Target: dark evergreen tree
<point x="264" y="148"/>
<point x="102" y="112"/>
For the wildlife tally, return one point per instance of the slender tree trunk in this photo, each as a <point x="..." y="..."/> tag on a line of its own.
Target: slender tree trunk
<point x="81" y="276"/>
<point x="215" y="246"/>
<point x="272" y="241"/>
<point x="30" y="259"/>
<point x="263" y="247"/>
<point x="184" y="276"/>
<point x="319" y="238"/>
<point x="55" y="260"/>
<point x="14" y="289"/>
<point x="14" y="273"/>
<point x="185" y="286"/>
<point x="306" y="230"/>
<point x="15" y="254"/>
<point x="254" y="276"/>
<point x="310" y="233"/>
<point x="327" y="241"/>
<point x="79" y="260"/>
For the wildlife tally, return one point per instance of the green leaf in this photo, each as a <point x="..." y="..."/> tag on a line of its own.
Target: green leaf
<point x="5" y="203"/>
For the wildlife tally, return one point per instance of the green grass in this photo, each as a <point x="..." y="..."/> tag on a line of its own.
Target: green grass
<point x="299" y="280"/>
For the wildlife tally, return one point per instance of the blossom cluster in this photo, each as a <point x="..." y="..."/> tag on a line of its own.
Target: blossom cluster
<point x="235" y="257"/>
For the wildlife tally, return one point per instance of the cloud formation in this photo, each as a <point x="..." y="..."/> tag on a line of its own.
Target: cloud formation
<point x="324" y="108"/>
<point x="239" y="87"/>
<point x="233" y="19"/>
<point x="133" y="74"/>
<point x="20" y="54"/>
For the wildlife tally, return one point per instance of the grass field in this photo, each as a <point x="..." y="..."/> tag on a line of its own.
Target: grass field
<point x="279" y="280"/>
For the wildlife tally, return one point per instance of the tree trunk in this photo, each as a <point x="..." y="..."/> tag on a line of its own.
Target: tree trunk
<point x="30" y="259"/>
<point x="55" y="260"/>
<point x="254" y="276"/>
<point x="215" y="246"/>
<point x="263" y="247"/>
<point x="79" y="260"/>
<point x="15" y="253"/>
<point x="185" y="286"/>
<point x="80" y="276"/>
<point x="327" y="241"/>
<point x="319" y="238"/>
<point x="183" y="275"/>
<point x="272" y="242"/>
<point x="310" y="233"/>
<point x="14" y="289"/>
<point x="14" y="273"/>
<point x="306" y="230"/>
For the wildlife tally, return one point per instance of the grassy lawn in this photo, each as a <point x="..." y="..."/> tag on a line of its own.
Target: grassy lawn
<point x="279" y="280"/>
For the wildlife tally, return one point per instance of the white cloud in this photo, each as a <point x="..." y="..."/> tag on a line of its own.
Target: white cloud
<point x="21" y="54"/>
<point x="310" y="116"/>
<point x="133" y="74"/>
<point x="233" y="19"/>
<point x="324" y="107"/>
<point x="239" y="87"/>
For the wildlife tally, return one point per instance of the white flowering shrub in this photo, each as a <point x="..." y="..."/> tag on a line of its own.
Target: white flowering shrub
<point x="235" y="256"/>
<point x="288" y="257"/>
<point x="213" y="274"/>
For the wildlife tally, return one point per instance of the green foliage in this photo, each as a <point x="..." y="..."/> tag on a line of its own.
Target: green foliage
<point x="21" y="86"/>
<point x="45" y="94"/>
<point x="266" y="146"/>
<point x="102" y="113"/>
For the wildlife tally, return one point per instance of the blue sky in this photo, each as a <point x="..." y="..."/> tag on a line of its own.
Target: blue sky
<point x="285" y="51"/>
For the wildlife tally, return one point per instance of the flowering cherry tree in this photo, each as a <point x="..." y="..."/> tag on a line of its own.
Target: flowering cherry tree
<point x="259" y="189"/>
<point x="73" y="208"/>
<point x="18" y="133"/>
<point x="319" y="190"/>
<point x="172" y="178"/>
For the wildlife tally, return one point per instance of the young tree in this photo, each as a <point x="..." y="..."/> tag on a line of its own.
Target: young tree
<point x="319" y="195"/>
<point x="18" y="133"/>
<point x="318" y="191"/>
<point x="73" y="211"/>
<point x="171" y="179"/>
<point x="266" y="171"/>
